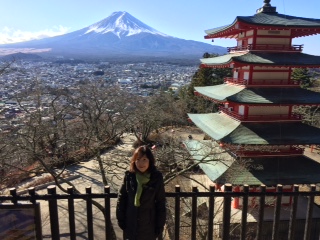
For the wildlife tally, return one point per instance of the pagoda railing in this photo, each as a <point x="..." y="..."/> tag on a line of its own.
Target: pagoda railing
<point x="275" y="82"/>
<point x="267" y="47"/>
<point x="261" y="117"/>
<point x="258" y="153"/>
<point x="239" y="81"/>
<point x="269" y="82"/>
<point x="251" y="151"/>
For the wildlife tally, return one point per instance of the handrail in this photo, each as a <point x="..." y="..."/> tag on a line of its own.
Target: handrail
<point x="230" y="195"/>
<point x="267" y="47"/>
<point x="261" y="153"/>
<point x="262" y="82"/>
<point x="239" y="81"/>
<point x="257" y="117"/>
<point x="271" y="82"/>
<point x="245" y="151"/>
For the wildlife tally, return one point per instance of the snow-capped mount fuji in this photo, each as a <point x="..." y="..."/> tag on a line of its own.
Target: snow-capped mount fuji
<point x="122" y="24"/>
<point x="117" y="36"/>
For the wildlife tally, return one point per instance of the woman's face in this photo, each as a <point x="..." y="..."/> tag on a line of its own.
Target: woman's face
<point x="142" y="163"/>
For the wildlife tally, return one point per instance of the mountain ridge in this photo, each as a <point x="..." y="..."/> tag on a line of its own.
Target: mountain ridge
<point x="118" y="35"/>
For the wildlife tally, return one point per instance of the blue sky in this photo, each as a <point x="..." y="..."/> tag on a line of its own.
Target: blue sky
<point x="22" y="20"/>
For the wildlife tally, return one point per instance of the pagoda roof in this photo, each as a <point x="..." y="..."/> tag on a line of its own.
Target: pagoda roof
<point x="274" y="59"/>
<point x="223" y="168"/>
<point x="239" y="94"/>
<point x="221" y="127"/>
<point x="213" y="161"/>
<point x="299" y="26"/>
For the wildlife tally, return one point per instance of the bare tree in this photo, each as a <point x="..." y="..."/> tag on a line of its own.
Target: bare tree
<point x="100" y="114"/>
<point x="6" y="66"/>
<point x="148" y="115"/>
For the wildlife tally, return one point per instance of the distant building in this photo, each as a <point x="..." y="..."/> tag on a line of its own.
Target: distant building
<point x="124" y="81"/>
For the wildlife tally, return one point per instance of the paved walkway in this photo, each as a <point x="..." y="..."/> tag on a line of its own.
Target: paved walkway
<point x="88" y="176"/>
<point x="312" y="153"/>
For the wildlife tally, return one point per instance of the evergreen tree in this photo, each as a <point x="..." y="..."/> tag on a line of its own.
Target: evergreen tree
<point x="302" y="75"/>
<point x="209" y="76"/>
<point x="203" y="77"/>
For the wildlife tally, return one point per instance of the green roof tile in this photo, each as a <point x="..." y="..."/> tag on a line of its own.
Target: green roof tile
<point x="220" y="126"/>
<point x="281" y="20"/>
<point x="219" y="92"/>
<point x="215" y="125"/>
<point x="222" y="168"/>
<point x="263" y="58"/>
<point x="239" y="94"/>
<point x="271" y="19"/>
<point x="272" y="171"/>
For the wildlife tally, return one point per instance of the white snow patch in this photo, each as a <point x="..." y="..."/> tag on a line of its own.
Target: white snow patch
<point x="123" y="25"/>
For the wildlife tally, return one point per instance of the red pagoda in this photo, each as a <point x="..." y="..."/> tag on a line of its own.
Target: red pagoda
<point x="260" y="140"/>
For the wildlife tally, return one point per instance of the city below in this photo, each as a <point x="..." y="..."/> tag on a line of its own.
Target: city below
<point x="144" y="79"/>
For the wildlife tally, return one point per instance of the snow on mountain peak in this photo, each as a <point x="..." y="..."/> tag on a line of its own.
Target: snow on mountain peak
<point x="121" y="24"/>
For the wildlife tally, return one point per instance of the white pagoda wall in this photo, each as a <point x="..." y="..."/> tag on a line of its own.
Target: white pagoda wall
<point x="281" y="41"/>
<point x="270" y="75"/>
<point x="270" y="110"/>
<point x="274" y="33"/>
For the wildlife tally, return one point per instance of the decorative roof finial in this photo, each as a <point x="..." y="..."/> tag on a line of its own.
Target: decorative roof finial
<point x="267" y="8"/>
<point x="267" y="3"/>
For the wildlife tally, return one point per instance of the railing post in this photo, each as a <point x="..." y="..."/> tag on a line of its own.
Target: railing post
<point x="72" y="225"/>
<point x="194" y="213"/>
<point x="89" y="213"/>
<point x="277" y="208"/>
<point x="107" y="216"/>
<point x="261" y="211"/>
<point x="13" y="193"/>
<point x="293" y="213"/>
<point x="38" y="222"/>
<point x="211" y="212"/>
<point x="177" y="214"/>
<point x="244" y="212"/>
<point x="53" y="210"/>
<point x="308" y="224"/>
<point x="226" y="212"/>
<point x="32" y="194"/>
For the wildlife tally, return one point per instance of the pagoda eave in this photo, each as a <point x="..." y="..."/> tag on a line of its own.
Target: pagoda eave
<point x="227" y="65"/>
<point x="261" y="170"/>
<point x="237" y="27"/>
<point x="295" y="31"/>
<point x="273" y="65"/>
<point x="304" y="32"/>
<point x="270" y="96"/>
<point x="263" y="59"/>
<point x="196" y="93"/>
<point x="232" y="131"/>
<point x="243" y="64"/>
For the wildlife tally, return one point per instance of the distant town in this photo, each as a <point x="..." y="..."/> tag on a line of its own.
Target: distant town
<point x="144" y="79"/>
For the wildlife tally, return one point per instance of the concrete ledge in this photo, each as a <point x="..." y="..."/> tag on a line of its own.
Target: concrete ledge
<point x="43" y="186"/>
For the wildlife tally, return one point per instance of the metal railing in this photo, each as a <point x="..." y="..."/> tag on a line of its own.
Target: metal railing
<point x="261" y="229"/>
<point x="267" y="47"/>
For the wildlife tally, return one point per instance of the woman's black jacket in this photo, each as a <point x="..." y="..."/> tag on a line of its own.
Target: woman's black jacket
<point x="147" y="221"/>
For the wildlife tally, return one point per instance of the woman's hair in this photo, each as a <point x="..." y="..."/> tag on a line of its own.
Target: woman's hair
<point x="138" y="153"/>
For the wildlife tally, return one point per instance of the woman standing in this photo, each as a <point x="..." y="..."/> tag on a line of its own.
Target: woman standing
<point x="141" y="210"/>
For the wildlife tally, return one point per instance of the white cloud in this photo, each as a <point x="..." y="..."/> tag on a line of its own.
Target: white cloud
<point x="9" y="35"/>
